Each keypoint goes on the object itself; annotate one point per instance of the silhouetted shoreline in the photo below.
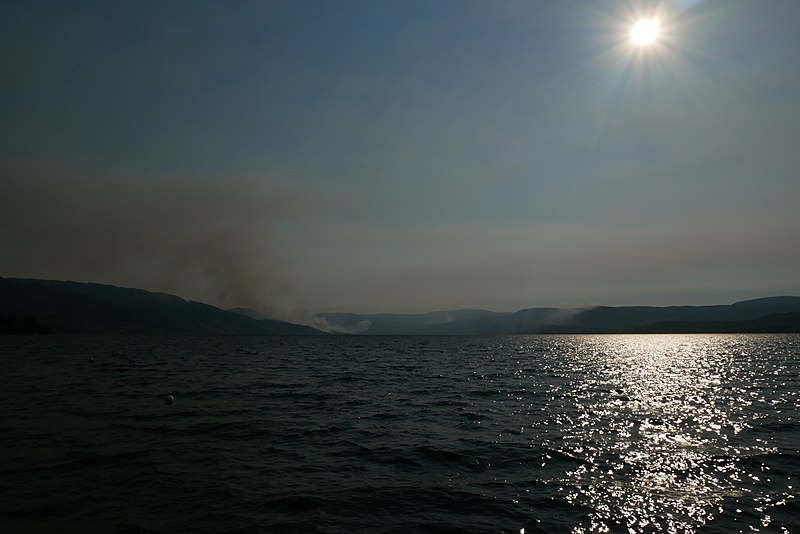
(46, 306)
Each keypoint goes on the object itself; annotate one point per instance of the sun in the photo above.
(645, 32)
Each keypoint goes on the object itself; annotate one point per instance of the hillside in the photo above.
(97, 308)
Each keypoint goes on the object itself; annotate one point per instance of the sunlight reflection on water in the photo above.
(656, 432)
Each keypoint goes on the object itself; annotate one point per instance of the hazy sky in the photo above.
(377, 155)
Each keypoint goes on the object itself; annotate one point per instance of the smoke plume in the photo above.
(202, 241)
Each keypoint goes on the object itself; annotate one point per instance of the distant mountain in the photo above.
(774, 323)
(771, 314)
(30, 306)
(444, 322)
(96, 308)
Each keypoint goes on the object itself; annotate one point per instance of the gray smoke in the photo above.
(202, 241)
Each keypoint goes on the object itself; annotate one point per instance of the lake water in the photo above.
(670, 433)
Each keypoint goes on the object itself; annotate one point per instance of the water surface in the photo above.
(669, 433)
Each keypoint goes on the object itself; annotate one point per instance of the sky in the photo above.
(402, 155)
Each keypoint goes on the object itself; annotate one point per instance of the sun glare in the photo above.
(645, 32)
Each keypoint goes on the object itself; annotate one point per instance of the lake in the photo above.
(341, 434)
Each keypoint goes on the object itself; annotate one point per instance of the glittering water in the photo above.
(400, 434)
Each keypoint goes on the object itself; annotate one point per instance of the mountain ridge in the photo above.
(32, 306)
(87, 307)
(743, 316)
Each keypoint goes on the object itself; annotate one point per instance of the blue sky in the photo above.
(404, 155)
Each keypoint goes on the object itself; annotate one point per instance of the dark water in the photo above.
(400, 434)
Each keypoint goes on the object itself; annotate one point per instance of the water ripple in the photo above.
(401, 434)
